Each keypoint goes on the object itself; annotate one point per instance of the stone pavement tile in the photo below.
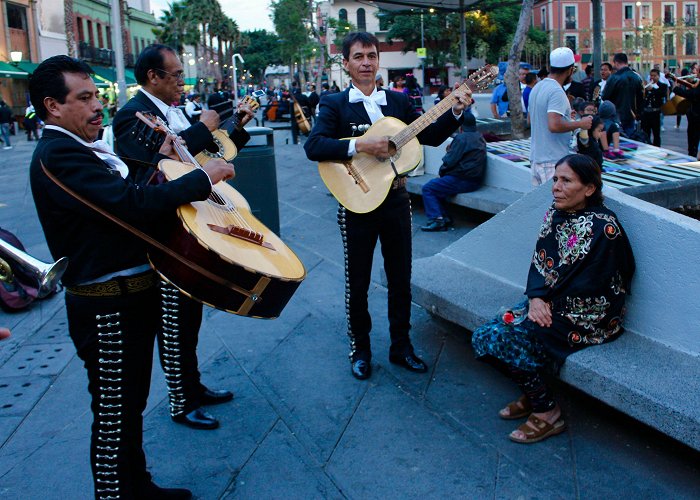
(251, 340)
(615, 453)
(204, 461)
(7, 427)
(38, 359)
(394, 447)
(52, 332)
(471, 393)
(64, 404)
(511, 482)
(279, 468)
(323, 294)
(320, 234)
(19, 394)
(308, 380)
(26, 322)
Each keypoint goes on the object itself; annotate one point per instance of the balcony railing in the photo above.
(669, 21)
(690, 20)
(96, 55)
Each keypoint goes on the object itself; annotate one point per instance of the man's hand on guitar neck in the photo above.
(464, 100)
(210, 118)
(218, 170)
(168, 149)
(244, 113)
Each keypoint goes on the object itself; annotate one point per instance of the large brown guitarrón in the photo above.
(362, 183)
(240, 266)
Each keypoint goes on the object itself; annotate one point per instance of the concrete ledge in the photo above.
(488, 199)
(650, 372)
(634, 374)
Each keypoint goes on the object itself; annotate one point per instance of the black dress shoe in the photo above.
(411, 362)
(154, 492)
(435, 225)
(210, 397)
(197, 419)
(361, 369)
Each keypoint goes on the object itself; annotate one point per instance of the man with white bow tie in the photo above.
(112, 298)
(348, 114)
(160, 73)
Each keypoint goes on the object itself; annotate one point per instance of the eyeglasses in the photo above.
(180, 75)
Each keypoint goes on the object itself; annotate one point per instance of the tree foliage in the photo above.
(490, 31)
(260, 49)
(291, 18)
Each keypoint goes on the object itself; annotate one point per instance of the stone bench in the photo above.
(651, 371)
(488, 199)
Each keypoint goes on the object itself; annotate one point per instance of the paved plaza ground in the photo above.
(300, 425)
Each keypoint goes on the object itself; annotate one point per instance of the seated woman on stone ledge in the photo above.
(579, 277)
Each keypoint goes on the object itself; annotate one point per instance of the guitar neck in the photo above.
(417, 126)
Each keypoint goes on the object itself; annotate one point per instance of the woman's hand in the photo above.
(540, 312)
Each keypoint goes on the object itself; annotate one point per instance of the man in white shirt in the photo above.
(550, 117)
(193, 108)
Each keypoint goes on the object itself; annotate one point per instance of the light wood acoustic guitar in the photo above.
(248, 270)
(222, 146)
(362, 182)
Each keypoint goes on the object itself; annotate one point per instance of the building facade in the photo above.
(18, 42)
(649, 32)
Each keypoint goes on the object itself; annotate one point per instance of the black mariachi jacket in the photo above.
(94, 245)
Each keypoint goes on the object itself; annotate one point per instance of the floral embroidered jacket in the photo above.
(582, 266)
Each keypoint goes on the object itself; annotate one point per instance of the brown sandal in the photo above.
(515, 410)
(542, 430)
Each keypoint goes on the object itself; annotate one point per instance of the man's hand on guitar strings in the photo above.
(218, 170)
(210, 118)
(168, 149)
(464, 100)
(379, 147)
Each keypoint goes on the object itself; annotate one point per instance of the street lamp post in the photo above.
(235, 78)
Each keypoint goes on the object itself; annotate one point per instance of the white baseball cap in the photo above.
(561, 57)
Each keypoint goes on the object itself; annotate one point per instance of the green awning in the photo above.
(110, 76)
(27, 66)
(10, 71)
(672, 63)
(190, 81)
(586, 58)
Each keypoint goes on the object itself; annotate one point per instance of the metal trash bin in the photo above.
(256, 176)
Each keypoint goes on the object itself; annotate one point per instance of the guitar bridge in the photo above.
(242, 234)
(356, 176)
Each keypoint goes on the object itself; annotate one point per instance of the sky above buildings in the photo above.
(249, 15)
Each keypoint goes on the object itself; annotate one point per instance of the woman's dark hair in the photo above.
(441, 91)
(366, 39)
(543, 73)
(150, 58)
(589, 172)
(48, 81)
(411, 82)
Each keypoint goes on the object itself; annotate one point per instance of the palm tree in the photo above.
(70, 26)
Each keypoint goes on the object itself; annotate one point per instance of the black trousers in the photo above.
(177, 348)
(651, 124)
(114, 337)
(693, 134)
(390, 223)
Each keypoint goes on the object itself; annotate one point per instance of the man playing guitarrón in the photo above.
(112, 299)
(342, 115)
(159, 71)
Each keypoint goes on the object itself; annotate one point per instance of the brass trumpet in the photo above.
(44, 276)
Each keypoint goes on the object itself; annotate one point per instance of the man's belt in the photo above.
(117, 286)
(398, 183)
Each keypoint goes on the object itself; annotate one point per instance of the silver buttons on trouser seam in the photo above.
(109, 414)
(344, 235)
(171, 355)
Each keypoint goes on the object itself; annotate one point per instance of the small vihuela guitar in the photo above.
(222, 146)
(362, 183)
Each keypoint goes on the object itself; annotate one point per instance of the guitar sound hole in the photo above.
(214, 150)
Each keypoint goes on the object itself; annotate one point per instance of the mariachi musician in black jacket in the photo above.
(343, 115)
(159, 71)
(112, 299)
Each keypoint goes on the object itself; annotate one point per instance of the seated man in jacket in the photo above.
(462, 171)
